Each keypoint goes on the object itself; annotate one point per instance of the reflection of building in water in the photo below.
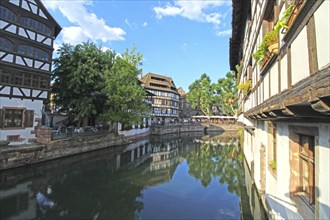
(135, 154)
(255, 206)
(164, 155)
(18, 202)
(224, 139)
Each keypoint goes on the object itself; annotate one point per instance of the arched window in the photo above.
(7, 14)
(33, 52)
(36, 25)
(6, 44)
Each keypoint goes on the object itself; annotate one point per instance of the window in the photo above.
(13, 118)
(24, 79)
(306, 159)
(157, 78)
(302, 168)
(272, 146)
(5, 44)
(16, 118)
(36, 25)
(7, 14)
(4, 76)
(33, 52)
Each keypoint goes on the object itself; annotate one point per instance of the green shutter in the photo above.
(29, 116)
(2, 115)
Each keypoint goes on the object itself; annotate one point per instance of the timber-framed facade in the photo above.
(165, 99)
(27, 35)
(286, 102)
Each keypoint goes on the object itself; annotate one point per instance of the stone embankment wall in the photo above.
(169, 129)
(21, 155)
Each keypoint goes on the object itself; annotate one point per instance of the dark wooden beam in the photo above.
(308, 98)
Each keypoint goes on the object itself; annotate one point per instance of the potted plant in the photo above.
(273, 164)
(293, 11)
(271, 40)
(259, 55)
(245, 87)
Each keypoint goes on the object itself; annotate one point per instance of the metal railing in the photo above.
(68, 132)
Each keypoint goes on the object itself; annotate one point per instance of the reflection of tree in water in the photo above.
(95, 193)
(207, 161)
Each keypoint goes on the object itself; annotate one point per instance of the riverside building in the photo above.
(285, 103)
(27, 34)
(165, 102)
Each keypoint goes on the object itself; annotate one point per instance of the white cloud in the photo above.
(223, 33)
(167, 11)
(145, 24)
(86, 25)
(193, 10)
(184, 46)
(132, 26)
(104, 48)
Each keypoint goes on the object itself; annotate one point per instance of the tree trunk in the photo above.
(113, 127)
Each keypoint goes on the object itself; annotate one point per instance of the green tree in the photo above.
(79, 78)
(201, 94)
(89, 82)
(125, 97)
(226, 94)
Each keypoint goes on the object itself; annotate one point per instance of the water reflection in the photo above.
(159, 177)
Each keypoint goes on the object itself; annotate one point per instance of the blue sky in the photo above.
(179, 39)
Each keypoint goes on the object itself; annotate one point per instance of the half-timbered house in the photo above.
(27, 34)
(285, 102)
(165, 99)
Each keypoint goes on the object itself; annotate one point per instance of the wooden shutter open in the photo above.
(2, 114)
(29, 116)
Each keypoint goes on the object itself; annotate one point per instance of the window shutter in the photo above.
(2, 115)
(29, 116)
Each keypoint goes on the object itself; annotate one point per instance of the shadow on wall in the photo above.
(281, 209)
(298, 209)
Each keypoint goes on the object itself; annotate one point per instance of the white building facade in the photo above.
(286, 104)
(26, 45)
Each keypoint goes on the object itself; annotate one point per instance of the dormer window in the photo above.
(33, 52)
(7, 14)
(36, 25)
(5, 44)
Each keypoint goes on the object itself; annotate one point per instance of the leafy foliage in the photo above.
(208, 97)
(201, 94)
(272, 36)
(79, 79)
(208, 161)
(226, 94)
(89, 82)
(125, 98)
(245, 87)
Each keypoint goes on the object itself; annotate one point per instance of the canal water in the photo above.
(191, 176)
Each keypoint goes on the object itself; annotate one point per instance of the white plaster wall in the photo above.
(134, 132)
(322, 29)
(299, 57)
(278, 189)
(256, 153)
(322, 169)
(244, 120)
(266, 87)
(274, 80)
(284, 73)
(24, 133)
(247, 149)
(283, 161)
